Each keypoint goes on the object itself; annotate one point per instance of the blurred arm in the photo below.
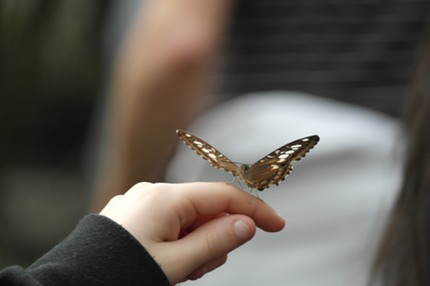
(160, 83)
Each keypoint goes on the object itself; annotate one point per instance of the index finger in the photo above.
(208, 198)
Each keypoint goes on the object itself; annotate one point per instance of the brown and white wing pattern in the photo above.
(215, 158)
(273, 168)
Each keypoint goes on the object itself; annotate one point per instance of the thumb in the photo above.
(206, 247)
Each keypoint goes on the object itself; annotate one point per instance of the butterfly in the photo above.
(271, 169)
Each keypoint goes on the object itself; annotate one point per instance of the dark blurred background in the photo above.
(50, 75)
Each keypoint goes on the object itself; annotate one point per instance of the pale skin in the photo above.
(190, 228)
(160, 83)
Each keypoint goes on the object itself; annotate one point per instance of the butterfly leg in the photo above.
(238, 181)
(252, 191)
(235, 181)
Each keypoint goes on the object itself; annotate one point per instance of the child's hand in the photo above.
(190, 228)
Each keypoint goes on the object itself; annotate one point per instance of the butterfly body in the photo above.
(271, 169)
(261, 177)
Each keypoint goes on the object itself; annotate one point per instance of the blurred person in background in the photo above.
(290, 69)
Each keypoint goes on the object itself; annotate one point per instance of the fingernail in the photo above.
(241, 229)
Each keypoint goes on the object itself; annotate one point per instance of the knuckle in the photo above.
(214, 245)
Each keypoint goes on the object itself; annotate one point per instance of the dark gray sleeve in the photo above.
(97, 252)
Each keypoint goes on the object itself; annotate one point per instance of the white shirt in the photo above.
(335, 201)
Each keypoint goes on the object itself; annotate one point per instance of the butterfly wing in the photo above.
(215, 158)
(274, 167)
